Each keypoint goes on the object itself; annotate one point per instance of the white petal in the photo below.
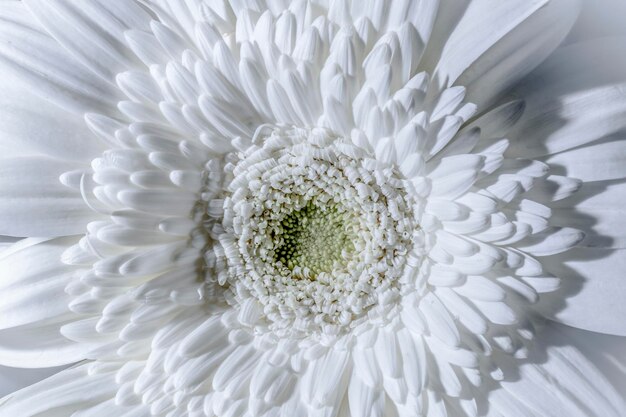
(519, 52)
(145, 46)
(48, 70)
(62, 394)
(606, 352)
(598, 210)
(35, 203)
(440, 322)
(559, 381)
(34, 282)
(554, 188)
(30, 125)
(39, 305)
(552, 241)
(83, 31)
(594, 282)
(325, 381)
(13, 379)
(365, 401)
(486, 34)
(595, 162)
(572, 102)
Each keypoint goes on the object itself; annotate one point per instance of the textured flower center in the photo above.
(315, 232)
(315, 238)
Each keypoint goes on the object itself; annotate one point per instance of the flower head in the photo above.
(282, 208)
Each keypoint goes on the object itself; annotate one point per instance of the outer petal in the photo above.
(592, 275)
(497, 43)
(595, 162)
(593, 281)
(32, 126)
(7, 241)
(558, 381)
(597, 209)
(35, 305)
(92, 30)
(62, 394)
(13, 379)
(606, 352)
(35, 203)
(29, 53)
(572, 101)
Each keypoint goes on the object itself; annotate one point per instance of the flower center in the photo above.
(315, 239)
(315, 233)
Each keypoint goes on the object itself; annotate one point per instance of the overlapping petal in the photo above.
(179, 98)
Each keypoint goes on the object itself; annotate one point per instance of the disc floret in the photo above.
(316, 238)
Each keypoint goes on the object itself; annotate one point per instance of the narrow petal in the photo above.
(92, 32)
(31, 55)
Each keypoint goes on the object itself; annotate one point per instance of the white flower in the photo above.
(320, 208)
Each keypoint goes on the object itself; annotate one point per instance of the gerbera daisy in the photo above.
(266, 208)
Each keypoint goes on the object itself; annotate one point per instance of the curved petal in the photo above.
(92, 31)
(63, 394)
(13, 379)
(497, 43)
(595, 162)
(39, 345)
(558, 381)
(30, 125)
(325, 382)
(31, 55)
(592, 275)
(572, 101)
(598, 209)
(35, 203)
(606, 352)
(600, 18)
(35, 305)
(7, 241)
(33, 285)
(593, 282)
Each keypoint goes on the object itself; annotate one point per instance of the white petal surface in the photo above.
(30, 126)
(561, 382)
(571, 101)
(62, 394)
(488, 60)
(595, 162)
(35, 203)
(34, 291)
(92, 32)
(31, 54)
(519, 52)
(36, 305)
(594, 282)
(288, 213)
(13, 379)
